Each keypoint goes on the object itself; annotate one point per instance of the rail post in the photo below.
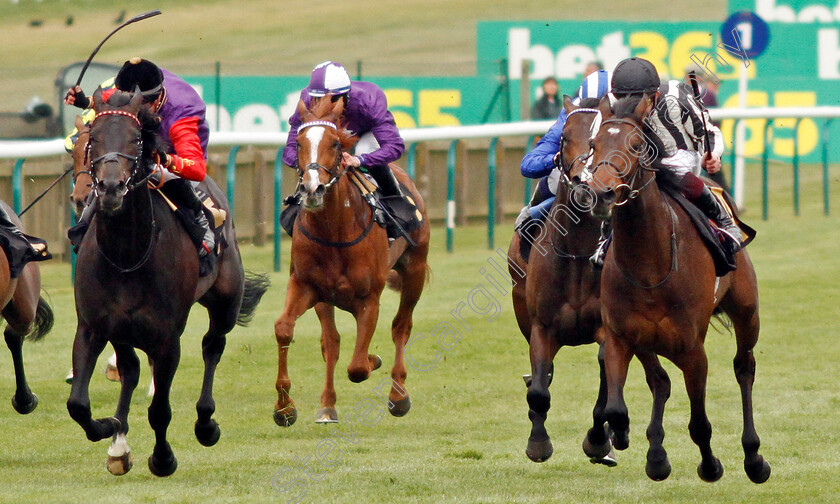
(765, 189)
(231, 176)
(411, 161)
(278, 204)
(17, 185)
(492, 157)
(796, 166)
(826, 135)
(529, 146)
(450, 195)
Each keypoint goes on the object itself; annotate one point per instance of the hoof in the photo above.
(112, 373)
(326, 415)
(710, 474)
(208, 434)
(658, 470)
(401, 407)
(25, 408)
(527, 379)
(285, 417)
(539, 451)
(120, 465)
(759, 471)
(378, 363)
(596, 451)
(609, 460)
(165, 468)
(620, 440)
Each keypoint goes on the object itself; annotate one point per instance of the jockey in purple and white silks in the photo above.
(366, 115)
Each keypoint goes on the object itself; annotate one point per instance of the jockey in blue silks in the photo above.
(540, 162)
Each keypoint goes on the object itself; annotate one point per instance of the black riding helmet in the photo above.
(634, 75)
(138, 72)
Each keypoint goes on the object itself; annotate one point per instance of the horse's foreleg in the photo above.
(597, 444)
(330, 345)
(543, 349)
(617, 357)
(658, 467)
(86, 349)
(120, 459)
(298, 299)
(362, 363)
(694, 366)
(24, 401)
(162, 461)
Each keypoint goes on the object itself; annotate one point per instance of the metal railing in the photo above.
(21, 150)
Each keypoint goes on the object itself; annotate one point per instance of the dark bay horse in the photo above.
(659, 290)
(136, 280)
(559, 304)
(27, 316)
(340, 258)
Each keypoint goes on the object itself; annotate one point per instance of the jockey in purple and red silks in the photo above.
(183, 129)
(366, 115)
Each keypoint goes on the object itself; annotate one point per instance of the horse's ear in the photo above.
(642, 109)
(301, 108)
(605, 107)
(338, 108)
(136, 98)
(567, 103)
(97, 98)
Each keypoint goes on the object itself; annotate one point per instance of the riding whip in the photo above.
(136, 18)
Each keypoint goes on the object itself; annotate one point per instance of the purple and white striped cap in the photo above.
(329, 77)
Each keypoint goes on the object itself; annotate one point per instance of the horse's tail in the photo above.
(722, 318)
(44, 319)
(255, 286)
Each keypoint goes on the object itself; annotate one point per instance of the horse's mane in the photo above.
(322, 110)
(589, 103)
(626, 106)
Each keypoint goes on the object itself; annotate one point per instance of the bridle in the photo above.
(629, 185)
(114, 156)
(565, 170)
(333, 172)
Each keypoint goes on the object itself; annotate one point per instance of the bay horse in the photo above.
(340, 258)
(136, 280)
(27, 316)
(558, 303)
(659, 291)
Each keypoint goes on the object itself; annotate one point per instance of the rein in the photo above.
(632, 193)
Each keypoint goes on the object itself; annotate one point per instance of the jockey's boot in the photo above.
(289, 214)
(709, 205)
(32, 248)
(597, 258)
(399, 205)
(195, 221)
(77, 232)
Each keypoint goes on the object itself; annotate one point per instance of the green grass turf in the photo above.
(288, 37)
(464, 439)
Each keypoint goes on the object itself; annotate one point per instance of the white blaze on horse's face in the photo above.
(311, 185)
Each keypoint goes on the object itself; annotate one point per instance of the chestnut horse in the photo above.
(659, 290)
(558, 304)
(27, 316)
(129, 292)
(340, 258)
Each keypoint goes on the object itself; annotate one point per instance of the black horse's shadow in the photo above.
(137, 276)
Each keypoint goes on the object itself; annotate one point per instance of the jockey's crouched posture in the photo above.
(366, 115)
(183, 128)
(676, 126)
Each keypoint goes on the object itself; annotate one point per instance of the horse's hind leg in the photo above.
(413, 281)
(658, 466)
(222, 320)
(86, 349)
(741, 306)
(543, 348)
(162, 461)
(330, 346)
(362, 363)
(24, 401)
(695, 369)
(120, 459)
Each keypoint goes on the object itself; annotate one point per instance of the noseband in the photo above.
(332, 172)
(632, 193)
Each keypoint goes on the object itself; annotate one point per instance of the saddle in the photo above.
(716, 242)
(215, 217)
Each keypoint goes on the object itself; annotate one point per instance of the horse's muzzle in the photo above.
(603, 205)
(312, 200)
(111, 194)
